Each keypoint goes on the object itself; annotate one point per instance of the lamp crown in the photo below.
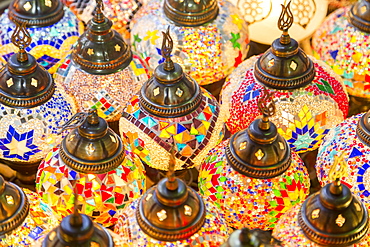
(22, 39)
(99, 16)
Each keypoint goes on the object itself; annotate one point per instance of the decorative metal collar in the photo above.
(359, 15)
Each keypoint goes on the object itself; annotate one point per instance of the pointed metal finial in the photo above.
(167, 46)
(285, 22)
(76, 218)
(99, 16)
(22, 39)
(267, 107)
(171, 183)
(337, 171)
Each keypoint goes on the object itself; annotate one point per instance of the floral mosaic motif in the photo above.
(249, 202)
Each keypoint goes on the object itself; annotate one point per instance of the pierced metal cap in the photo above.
(170, 92)
(36, 13)
(333, 216)
(171, 211)
(284, 65)
(23, 82)
(359, 15)
(259, 151)
(14, 206)
(91, 147)
(101, 50)
(251, 238)
(191, 12)
(363, 129)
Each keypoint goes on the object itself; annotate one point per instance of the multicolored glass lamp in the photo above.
(102, 72)
(91, 158)
(251, 238)
(171, 214)
(210, 36)
(31, 109)
(171, 110)
(24, 218)
(330, 217)
(342, 41)
(310, 98)
(254, 178)
(53, 28)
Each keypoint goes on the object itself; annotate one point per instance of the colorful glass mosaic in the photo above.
(303, 116)
(208, 52)
(345, 48)
(100, 195)
(213, 233)
(49, 44)
(27, 135)
(291, 234)
(250, 202)
(152, 137)
(106, 93)
(39, 222)
(343, 139)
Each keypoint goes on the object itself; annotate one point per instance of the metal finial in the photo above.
(336, 172)
(99, 16)
(167, 46)
(171, 183)
(285, 22)
(266, 105)
(22, 39)
(79, 118)
(76, 219)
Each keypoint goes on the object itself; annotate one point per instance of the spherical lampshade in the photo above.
(171, 109)
(254, 178)
(262, 15)
(210, 37)
(102, 73)
(24, 217)
(309, 97)
(342, 41)
(53, 28)
(92, 159)
(31, 108)
(330, 217)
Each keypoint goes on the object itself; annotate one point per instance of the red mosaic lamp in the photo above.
(254, 178)
(171, 214)
(91, 158)
(171, 110)
(330, 217)
(310, 98)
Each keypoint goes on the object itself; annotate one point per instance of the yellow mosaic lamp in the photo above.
(53, 28)
(92, 159)
(171, 214)
(171, 110)
(102, 73)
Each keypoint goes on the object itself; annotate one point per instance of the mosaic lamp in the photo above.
(171, 214)
(254, 178)
(309, 97)
(102, 73)
(31, 108)
(91, 158)
(332, 216)
(53, 28)
(261, 16)
(342, 41)
(171, 110)
(210, 36)
(251, 238)
(24, 218)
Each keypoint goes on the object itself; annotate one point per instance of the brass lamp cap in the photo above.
(171, 214)
(14, 206)
(23, 82)
(101, 50)
(251, 238)
(191, 12)
(359, 15)
(284, 65)
(36, 13)
(170, 92)
(92, 147)
(363, 129)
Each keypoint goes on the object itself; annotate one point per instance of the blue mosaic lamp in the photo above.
(53, 28)
(31, 109)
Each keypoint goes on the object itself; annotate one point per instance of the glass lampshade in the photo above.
(91, 158)
(102, 73)
(309, 97)
(210, 37)
(53, 28)
(342, 42)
